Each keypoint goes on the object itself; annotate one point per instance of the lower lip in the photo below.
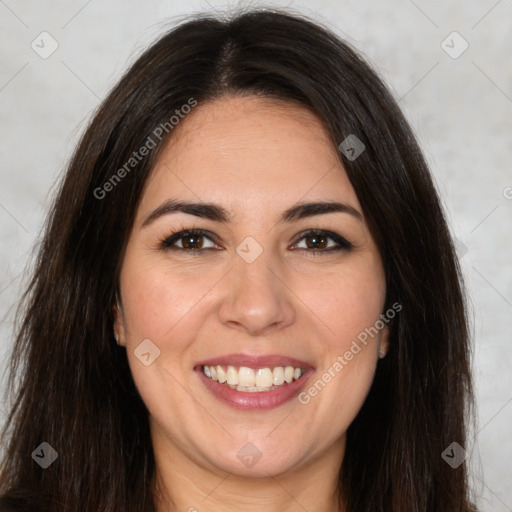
(259, 400)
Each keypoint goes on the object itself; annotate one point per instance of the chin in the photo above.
(257, 459)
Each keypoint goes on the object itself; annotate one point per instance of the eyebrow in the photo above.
(218, 213)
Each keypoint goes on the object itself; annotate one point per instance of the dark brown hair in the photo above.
(71, 383)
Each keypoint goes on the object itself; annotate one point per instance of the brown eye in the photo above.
(190, 240)
(323, 242)
(316, 241)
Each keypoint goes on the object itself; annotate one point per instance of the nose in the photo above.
(256, 298)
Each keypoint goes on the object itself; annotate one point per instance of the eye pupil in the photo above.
(188, 241)
(317, 242)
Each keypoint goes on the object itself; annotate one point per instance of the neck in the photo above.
(182, 484)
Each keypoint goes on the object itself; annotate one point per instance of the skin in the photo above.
(255, 157)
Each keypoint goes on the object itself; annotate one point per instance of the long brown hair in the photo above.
(70, 382)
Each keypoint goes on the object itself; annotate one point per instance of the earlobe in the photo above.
(384, 343)
(118, 326)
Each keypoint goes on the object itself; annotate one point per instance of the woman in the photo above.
(246, 297)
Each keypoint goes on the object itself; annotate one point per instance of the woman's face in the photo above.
(253, 292)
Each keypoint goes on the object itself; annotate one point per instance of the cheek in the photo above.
(343, 396)
(346, 302)
(156, 306)
(157, 299)
(347, 305)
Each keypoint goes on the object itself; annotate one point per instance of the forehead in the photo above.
(251, 154)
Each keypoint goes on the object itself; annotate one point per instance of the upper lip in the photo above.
(253, 361)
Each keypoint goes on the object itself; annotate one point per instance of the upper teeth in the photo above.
(248, 379)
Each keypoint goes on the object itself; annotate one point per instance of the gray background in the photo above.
(460, 108)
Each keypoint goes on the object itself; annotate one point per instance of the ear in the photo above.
(119, 328)
(384, 342)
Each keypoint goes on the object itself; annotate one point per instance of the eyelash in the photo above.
(167, 243)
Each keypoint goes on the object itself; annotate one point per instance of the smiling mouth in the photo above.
(248, 379)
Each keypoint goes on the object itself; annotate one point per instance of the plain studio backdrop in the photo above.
(447, 63)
